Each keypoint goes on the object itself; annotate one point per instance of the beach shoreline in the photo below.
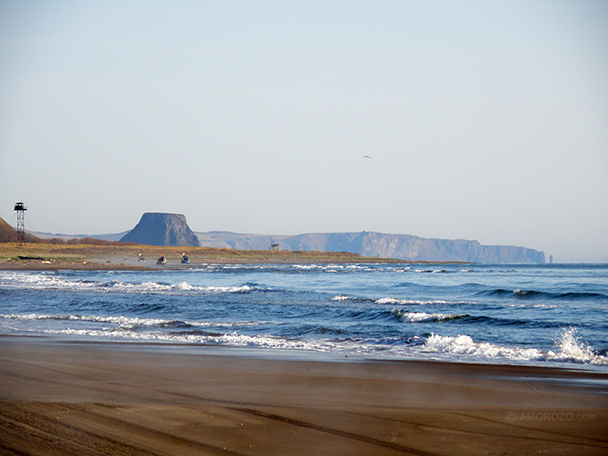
(45, 256)
(61, 396)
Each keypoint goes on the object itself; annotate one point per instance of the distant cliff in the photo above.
(382, 245)
(415, 248)
(160, 229)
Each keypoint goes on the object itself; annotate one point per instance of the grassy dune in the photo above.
(112, 256)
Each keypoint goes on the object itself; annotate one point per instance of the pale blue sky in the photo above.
(484, 120)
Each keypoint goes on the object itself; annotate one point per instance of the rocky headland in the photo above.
(161, 229)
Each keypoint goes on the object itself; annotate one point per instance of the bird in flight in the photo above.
(367, 156)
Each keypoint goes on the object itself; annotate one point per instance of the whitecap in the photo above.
(422, 317)
(464, 345)
(573, 349)
(570, 349)
(340, 298)
(389, 300)
(51, 282)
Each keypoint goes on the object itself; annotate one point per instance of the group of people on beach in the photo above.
(162, 260)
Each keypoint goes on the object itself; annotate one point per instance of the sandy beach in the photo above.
(52, 257)
(68, 397)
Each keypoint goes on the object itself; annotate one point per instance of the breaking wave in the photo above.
(123, 322)
(569, 348)
(423, 317)
(50, 282)
(417, 301)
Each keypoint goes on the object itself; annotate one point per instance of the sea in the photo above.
(549, 315)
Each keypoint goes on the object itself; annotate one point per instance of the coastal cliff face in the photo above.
(162, 229)
(415, 248)
(402, 246)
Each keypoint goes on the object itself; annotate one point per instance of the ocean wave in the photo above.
(51, 282)
(133, 323)
(290, 268)
(397, 301)
(232, 339)
(535, 294)
(391, 315)
(464, 345)
(391, 301)
(120, 321)
(499, 321)
(423, 317)
(340, 298)
(569, 349)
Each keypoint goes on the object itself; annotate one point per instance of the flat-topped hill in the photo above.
(157, 228)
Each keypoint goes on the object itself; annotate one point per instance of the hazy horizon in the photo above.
(275, 235)
(467, 119)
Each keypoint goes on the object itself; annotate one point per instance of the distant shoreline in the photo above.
(46, 256)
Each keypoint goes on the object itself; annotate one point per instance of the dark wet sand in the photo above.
(63, 398)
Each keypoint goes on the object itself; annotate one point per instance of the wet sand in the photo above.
(62, 397)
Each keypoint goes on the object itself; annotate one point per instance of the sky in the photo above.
(483, 120)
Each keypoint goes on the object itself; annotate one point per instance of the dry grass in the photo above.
(128, 254)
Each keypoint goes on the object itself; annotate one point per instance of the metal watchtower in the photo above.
(20, 210)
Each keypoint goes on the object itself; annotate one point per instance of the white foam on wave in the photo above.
(228, 339)
(315, 267)
(44, 281)
(423, 317)
(340, 298)
(129, 322)
(237, 289)
(116, 320)
(570, 349)
(534, 306)
(464, 345)
(390, 300)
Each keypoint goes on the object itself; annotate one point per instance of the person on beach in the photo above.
(161, 260)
